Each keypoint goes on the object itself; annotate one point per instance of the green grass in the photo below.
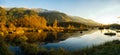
(4, 50)
(109, 48)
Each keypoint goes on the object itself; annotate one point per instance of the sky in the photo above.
(102, 11)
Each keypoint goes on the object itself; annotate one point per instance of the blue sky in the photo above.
(103, 11)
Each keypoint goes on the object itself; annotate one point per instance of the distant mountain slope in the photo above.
(51, 16)
(85, 21)
(39, 10)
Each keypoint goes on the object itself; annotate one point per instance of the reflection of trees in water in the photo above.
(90, 31)
(34, 37)
(101, 31)
(55, 34)
(53, 37)
(50, 38)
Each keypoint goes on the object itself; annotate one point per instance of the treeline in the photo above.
(20, 17)
(11, 19)
(51, 16)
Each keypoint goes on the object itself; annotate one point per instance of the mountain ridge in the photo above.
(52, 15)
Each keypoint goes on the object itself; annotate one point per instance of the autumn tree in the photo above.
(21, 17)
(2, 27)
(81, 26)
(71, 27)
(43, 22)
(2, 15)
(11, 27)
(2, 19)
(55, 24)
(33, 21)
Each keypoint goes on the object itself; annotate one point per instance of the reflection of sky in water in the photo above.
(88, 40)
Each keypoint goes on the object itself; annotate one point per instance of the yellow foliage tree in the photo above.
(43, 22)
(11, 27)
(55, 24)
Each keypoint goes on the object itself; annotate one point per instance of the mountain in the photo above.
(39, 10)
(51, 16)
(88, 22)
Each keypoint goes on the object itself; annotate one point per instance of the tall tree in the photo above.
(2, 15)
(55, 24)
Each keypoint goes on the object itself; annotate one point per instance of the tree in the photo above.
(30, 12)
(2, 15)
(2, 27)
(69, 27)
(2, 11)
(33, 21)
(43, 22)
(11, 27)
(55, 24)
(15, 13)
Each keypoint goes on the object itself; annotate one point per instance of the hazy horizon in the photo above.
(102, 11)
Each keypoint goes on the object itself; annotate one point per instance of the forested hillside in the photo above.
(11, 18)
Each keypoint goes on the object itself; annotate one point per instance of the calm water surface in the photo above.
(69, 41)
(87, 39)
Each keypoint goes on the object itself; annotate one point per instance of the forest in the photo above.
(22, 19)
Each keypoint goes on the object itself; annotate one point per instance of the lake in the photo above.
(70, 41)
(86, 39)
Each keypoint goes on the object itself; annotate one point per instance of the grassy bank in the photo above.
(109, 48)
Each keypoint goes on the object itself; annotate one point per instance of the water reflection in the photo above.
(69, 41)
(94, 37)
